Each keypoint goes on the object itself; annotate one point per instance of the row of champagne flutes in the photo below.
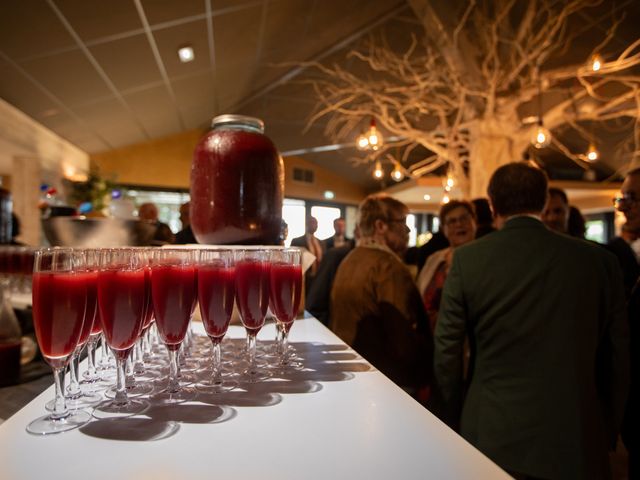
(16, 264)
(122, 292)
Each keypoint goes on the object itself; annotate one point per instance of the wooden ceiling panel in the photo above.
(69, 76)
(193, 91)
(156, 111)
(19, 91)
(159, 11)
(110, 120)
(132, 69)
(170, 39)
(30, 27)
(92, 20)
(236, 36)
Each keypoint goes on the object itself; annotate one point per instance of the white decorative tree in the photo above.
(461, 89)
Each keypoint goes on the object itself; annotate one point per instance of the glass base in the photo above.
(216, 386)
(137, 389)
(76, 402)
(173, 396)
(113, 409)
(254, 375)
(46, 425)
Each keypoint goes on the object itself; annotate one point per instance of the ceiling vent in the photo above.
(303, 175)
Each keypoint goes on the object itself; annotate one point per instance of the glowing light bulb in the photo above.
(596, 63)
(378, 172)
(397, 174)
(362, 142)
(373, 136)
(427, 197)
(445, 198)
(592, 153)
(541, 137)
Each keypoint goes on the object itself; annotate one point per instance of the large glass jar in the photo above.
(237, 183)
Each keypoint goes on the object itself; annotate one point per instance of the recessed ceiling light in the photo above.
(329, 195)
(427, 197)
(186, 54)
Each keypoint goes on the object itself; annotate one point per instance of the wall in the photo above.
(166, 162)
(29, 154)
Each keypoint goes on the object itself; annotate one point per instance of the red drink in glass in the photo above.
(216, 292)
(252, 292)
(174, 292)
(121, 302)
(286, 289)
(59, 304)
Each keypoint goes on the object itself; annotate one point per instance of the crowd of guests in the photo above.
(516, 332)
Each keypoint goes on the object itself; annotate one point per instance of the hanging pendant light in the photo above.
(377, 171)
(592, 154)
(541, 137)
(595, 63)
(397, 174)
(374, 137)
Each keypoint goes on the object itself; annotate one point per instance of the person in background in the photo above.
(555, 214)
(457, 219)
(420, 255)
(185, 236)
(148, 212)
(484, 217)
(576, 224)
(339, 238)
(626, 249)
(284, 232)
(375, 305)
(546, 321)
(313, 245)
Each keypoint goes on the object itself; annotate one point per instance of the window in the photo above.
(325, 217)
(168, 204)
(293, 212)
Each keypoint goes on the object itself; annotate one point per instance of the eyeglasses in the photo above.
(626, 199)
(462, 219)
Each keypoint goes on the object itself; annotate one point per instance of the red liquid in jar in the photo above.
(173, 290)
(59, 304)
(121, 299)
(237, 183)
(286, 289)
(216, 293)
(252, 293)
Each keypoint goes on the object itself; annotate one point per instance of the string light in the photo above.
(541, 136)
(397, 174)
(371, 139)
(378, 172)
(445, 198)
(596, 62)
(592, 153)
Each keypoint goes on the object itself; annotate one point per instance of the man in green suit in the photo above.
(545, 317)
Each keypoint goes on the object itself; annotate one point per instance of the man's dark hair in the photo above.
(484, 216)
(558, 192)
(517, 188)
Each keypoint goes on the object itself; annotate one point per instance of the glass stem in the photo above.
(252, 352)
(174, 384)
(91, 373)
(279, 335)
(138, 367)
(59, 407)
(74, 387)
(121, 387)
(146, 339)
(284, 347)
(216, 375)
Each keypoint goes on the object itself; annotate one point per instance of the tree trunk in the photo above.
(494, 142)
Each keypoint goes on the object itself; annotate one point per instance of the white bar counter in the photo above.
(341, 419)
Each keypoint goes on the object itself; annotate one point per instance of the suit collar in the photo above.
(523, 221)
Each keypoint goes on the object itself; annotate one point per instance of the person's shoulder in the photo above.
(298, 241)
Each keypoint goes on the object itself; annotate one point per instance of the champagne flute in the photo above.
(285, 290)
(216, 293)
(252, 297)
(59, 304)
(121, 302)
(173, 294)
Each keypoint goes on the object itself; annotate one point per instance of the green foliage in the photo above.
(95, 190)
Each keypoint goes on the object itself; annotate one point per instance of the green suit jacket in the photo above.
(546, 318)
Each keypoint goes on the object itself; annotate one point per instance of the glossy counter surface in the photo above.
(339, 418)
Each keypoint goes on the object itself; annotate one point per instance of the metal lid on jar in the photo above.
(238, 121)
